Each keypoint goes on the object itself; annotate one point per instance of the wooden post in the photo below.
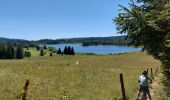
(147, 71)
(122, 86)
(152, 74)
(25, 88)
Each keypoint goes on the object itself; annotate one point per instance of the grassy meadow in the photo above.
(96, 77)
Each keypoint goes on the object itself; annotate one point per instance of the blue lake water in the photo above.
(100, 49)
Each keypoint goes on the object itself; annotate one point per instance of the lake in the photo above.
(98, 49)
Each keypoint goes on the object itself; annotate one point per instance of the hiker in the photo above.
(143, 81)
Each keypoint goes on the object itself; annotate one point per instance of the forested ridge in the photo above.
(113, 40)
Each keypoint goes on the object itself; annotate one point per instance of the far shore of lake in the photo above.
(97, 49)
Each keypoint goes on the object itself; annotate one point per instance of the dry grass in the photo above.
(59, 78)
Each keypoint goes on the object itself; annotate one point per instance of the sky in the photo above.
(54, 19)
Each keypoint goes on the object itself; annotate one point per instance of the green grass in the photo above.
(36, 53)
(59, 78)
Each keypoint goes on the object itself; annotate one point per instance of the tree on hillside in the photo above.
(10, 52)
(1, 51)
(148, 24)
(19, 52)
(38, 47)
(41, 52)
(59, 51)
(4, 52)
(45, 47)
(69, 50)
(72, 51)
(66, 50)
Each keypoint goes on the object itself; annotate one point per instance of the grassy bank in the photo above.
(96, 77)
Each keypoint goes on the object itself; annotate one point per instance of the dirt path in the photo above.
(152, 88)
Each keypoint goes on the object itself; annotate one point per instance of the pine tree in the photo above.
(19, 52)
(59, 51)
(45, 47)
(6, 51)
(51, 54)
(146, 23)
(72, 51)
(69, 50)
(66, 50)
(41, 52)
(1, 51)
(38, 48)
(10, 52)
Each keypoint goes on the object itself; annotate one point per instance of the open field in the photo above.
(96, 77)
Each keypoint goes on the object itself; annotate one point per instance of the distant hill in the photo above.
(8, 40)
(113, 40)
(18, 41)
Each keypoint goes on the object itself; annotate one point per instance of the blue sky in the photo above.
(53, 19)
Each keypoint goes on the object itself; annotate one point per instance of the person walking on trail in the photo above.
(143, 81)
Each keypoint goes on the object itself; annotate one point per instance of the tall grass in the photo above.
(96, 77)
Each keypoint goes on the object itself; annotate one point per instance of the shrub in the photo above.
(27, 54)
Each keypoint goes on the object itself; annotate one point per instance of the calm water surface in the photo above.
(100, 49)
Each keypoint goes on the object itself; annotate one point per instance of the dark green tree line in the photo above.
(8, 51)
(19, 52)
(69, 50)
